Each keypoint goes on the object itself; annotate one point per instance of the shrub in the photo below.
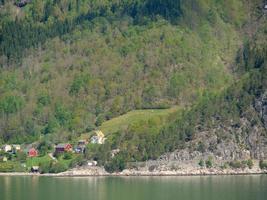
(78, 161)
(209, 163)
(250, 163)
(152, 168)
(100, 119)
(117, 164)
(201, 163)
(21, 156)
(45, 167)
(263, 164)
(67, 156)
(58, 167)
(224, 166)
(238, 164)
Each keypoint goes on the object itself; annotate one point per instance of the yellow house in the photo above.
(98, 137)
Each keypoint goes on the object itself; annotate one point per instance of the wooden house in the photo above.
(32, 152)
(61, 148)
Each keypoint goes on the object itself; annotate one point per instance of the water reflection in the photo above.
(132, 188)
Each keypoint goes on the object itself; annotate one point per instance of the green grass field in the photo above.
(37, 160)
(156, 117)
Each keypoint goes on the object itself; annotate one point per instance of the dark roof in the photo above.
(22, 3)
(61, 145)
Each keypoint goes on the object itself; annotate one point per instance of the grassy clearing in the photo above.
(157, 117)
(37, 160)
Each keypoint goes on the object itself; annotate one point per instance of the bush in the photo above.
(238, 164)
(263, 164)
(58, 167)
(117, 164)
(21, 156)
(201, 163)
(45, 167)
(100, 119)
(67, 156)
(78, 161)
(250, 163)
(209, 163)
(152, 168)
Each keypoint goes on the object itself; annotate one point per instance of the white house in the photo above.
(92, 163)
(16, 147)
(7, 148)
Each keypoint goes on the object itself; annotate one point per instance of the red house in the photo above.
(61, 148)
(32, 152)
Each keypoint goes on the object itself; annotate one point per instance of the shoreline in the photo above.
(133, 173)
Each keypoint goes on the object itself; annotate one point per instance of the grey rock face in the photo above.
(261, 108)
(230, 142)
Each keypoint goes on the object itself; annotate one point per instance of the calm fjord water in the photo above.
(134, 188)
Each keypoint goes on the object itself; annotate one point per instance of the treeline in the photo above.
(50, 18)
(17, 36)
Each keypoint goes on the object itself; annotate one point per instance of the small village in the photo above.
(29, 157)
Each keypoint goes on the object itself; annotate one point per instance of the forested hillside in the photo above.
(227, 125)
(67, 66)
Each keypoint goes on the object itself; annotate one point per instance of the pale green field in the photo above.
(37, 160)
(158, 117)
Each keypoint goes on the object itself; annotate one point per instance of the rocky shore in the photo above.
(99, 171)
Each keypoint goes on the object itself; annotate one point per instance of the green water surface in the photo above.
(134, 188)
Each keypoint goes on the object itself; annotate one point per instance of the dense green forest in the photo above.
(213, 110)
(67, 66)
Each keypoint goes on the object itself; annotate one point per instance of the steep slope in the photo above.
(69, 66)
(227, 126)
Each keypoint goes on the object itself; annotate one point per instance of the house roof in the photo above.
(35, 167)
(62, 145)
(32, 149)
(7, 145)
(99, 134)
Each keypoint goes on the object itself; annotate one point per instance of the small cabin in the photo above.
(35, 169)
(61, 148)
(7, 148)
(32, 153)
(79, 149)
